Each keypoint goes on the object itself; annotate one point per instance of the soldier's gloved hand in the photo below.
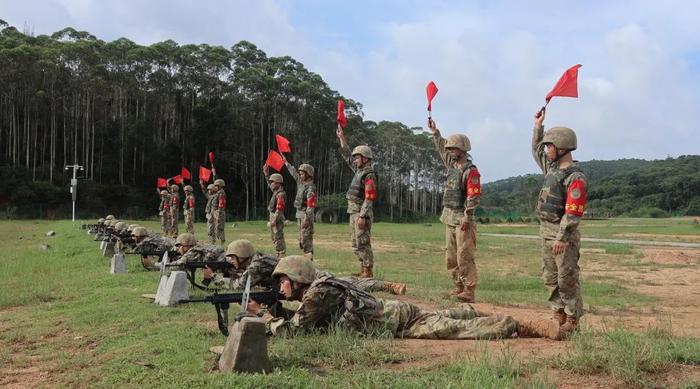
(240, 315)
(539, 117)
(269, 224)
(465, 225)
(361, 223)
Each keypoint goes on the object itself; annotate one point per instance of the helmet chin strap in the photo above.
(558, 157)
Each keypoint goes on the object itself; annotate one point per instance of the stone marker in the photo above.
(246, 348)
(118, 264)
(51, 233)
(102, 245)
(108, 251)
(175, 289)
(44, 247)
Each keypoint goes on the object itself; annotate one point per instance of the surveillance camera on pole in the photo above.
(74, 184)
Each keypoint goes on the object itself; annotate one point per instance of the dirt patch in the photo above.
(661, 237)
(672, 256)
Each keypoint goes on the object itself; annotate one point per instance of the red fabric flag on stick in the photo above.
(185, 174)
(177, 179)
(567, 86)
(204, 174)
(282, 144)
(341, 114)
(431, 90)
(274, 160)
(211, 158)
(161, 183)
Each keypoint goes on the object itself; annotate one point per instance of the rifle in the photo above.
(221, 303)
(146, 253)
(191, 267)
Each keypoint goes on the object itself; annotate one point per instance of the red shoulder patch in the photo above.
(473, 184)
(576, 198)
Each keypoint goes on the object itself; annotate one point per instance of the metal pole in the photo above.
(74, 184)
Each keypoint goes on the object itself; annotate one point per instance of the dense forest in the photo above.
(630, 187)
(130, 113)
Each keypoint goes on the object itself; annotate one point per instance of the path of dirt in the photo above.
(601, 240)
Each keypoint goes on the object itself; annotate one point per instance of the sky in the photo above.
(493, 61)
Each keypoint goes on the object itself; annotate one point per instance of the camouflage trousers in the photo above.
(361, 240)
(189, 221)
(462, 322)
(459, 254)
(165, 224)
(174, 221)
(220, 222)
(306, 234)
(561, 276)
(277, 236)
(211, 228)
(369, 285)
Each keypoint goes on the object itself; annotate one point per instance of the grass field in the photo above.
(66, 322)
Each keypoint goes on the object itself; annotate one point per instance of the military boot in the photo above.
(568, 328)
(459, 288)
(281, 254)
(309, 255)
(366, 272)
(559, 316)
(548, 328)
(395, 287)
(468, 295)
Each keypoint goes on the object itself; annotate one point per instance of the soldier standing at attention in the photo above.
(361, 196)
(461, 197)
(305, 204)
(219, 210)
(174, 210)
(188, 208)
(276, 207)
(164, 212)
(560, 206)
(209, 194)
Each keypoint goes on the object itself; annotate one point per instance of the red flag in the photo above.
(431, 90)
(161, 183)
(204, 174)
(185, 173)
(567, 86)
(283, 144)
(341, 114)
(274, 160)
(177, 179)
(211, 158)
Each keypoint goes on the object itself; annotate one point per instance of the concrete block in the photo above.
(175, 289)
(118, 264)
(246, 348)
(108, 251)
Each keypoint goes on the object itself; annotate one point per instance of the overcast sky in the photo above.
(494, 61)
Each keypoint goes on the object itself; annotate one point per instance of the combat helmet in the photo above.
(306, 168)
(109, 217)
(186, 239)
(131, 227)
(139, 231)
(562, 138)
(297, 267)
(188, 188)
(458, 141)
(219, 182)
(241, 248)
(362, 150)
(101, 220)
(120, 226)
(164, 192)
(174, 188)
(276, 177)
(211, 187)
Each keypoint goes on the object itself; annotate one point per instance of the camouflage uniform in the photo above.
(460, 199)
(208, 211)
(219, 215)
(202, 253)
(164, 212)
(154, 244)
(189, 207)
(305, 204)
(329, 301)
(174, 211)
(361, 196)
(560, 206)
(276, 208)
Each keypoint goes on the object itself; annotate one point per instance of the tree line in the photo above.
(130, 113)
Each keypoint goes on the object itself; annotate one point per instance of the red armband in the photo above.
(222, 202)
(175, 201)
(280, 203)
(190, 203)
(370, 190)
(311, 201)
(576, 198)
(473, 185)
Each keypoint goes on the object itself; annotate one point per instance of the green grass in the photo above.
(618, 248)
(628, 356)
(62, 311)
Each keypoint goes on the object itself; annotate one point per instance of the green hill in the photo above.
(631, 187)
